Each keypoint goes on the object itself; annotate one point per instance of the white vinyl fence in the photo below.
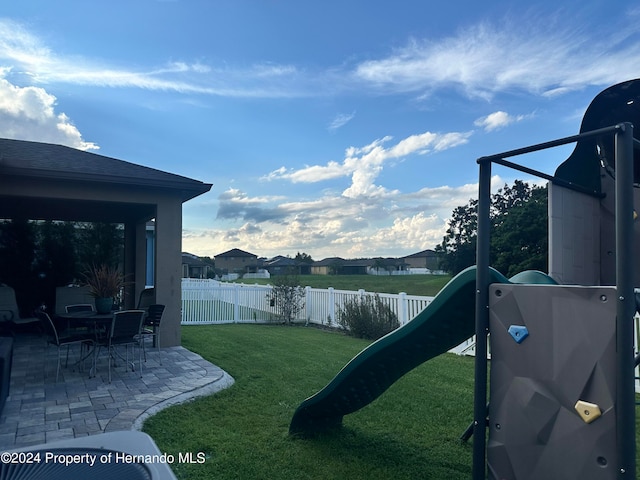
(210, 301)
(213, 302)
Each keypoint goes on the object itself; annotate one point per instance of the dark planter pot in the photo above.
(104, 305)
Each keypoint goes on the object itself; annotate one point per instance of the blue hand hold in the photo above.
(518, 332)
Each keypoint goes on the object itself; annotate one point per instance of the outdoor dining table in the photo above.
(94, 322)
(87, 319)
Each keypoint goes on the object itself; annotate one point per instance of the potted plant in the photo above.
(105, 283)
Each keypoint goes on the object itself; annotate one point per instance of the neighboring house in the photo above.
(236, 261)
(194, 267)
(340, 266)
(358, 266)
(424, 259)
(327, 266)
(388, 265)
(280, 265)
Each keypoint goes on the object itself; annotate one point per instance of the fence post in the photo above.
(236, 302)
(332, 306)
(403, 307)
(307, 307)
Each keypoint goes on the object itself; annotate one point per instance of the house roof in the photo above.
(235, 252)
(44, 160)
(46, 181)
(280, 261)
(357, 262)
(191, 259)
(422, 254)
(325, 262)
(389, 261)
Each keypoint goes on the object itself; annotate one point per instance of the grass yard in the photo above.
(409, 432)
(427, 285)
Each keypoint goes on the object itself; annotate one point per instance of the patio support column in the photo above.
(168, 277)
(129, 264)
(140, 267)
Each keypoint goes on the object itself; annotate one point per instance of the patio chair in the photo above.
(79, 307)
(124, 331)
(9, 311)
(151, 328)
(61, 340)
(71, 295)
(147, 297)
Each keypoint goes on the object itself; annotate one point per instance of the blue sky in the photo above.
(335, 128)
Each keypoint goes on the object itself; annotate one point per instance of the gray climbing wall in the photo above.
(552, 391)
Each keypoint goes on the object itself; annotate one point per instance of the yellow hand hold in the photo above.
(587, 411)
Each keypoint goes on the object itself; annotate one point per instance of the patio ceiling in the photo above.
(45, 208)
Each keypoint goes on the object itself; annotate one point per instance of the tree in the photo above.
(520, 242)
(379, 264)
(518, 216)
(287, 297)
(56, 254)
(17, 251)
(303, 258)
(55, 260)
(17, 260)
(100, 244)
(458, 248)
(38, 256)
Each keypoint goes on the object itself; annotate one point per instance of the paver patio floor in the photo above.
(40, 410)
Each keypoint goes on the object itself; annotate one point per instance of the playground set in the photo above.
(561, 400)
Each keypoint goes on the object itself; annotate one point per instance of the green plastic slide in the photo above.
(446, 322)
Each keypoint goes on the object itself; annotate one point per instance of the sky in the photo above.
(334, 128)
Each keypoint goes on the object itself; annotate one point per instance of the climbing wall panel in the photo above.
(552, 390)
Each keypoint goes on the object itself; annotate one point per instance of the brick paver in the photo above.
(39, 410)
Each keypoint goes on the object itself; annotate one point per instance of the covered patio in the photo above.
(40, 181)
(40, 410)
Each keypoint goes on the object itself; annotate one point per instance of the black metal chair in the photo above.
(151, 328)
(77, 307)
(124, 331)
(147, 297)
(61, 340)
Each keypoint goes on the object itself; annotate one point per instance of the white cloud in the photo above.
(410, 234)
(340, 121)
(28, 113)
(33, 59)
(364, 164)
(316, 173)
(335, 225)
(543, 55)
(498, 120)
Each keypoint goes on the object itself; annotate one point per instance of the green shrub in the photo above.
(367, 316)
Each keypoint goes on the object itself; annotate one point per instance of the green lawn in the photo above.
(427, 285)
(409, 432)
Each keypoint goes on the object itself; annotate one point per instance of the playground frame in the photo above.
(625, 302)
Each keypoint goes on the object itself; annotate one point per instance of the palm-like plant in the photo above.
(104, 281)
